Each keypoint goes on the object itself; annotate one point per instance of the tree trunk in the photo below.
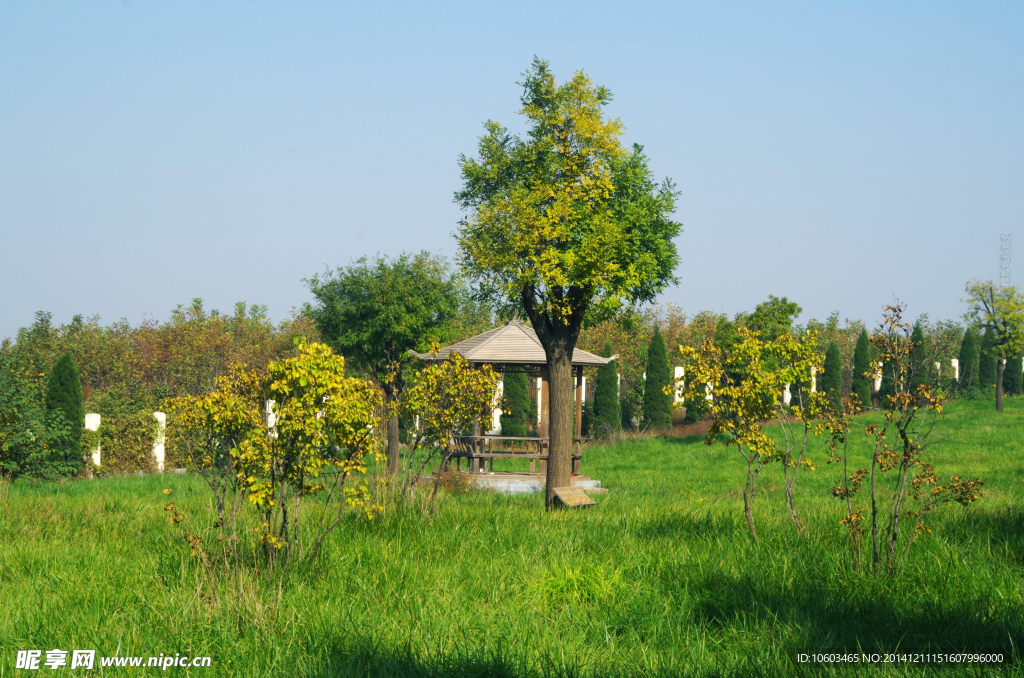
(558, 336)
(560, 426)
(1000, 370)
(394, 444)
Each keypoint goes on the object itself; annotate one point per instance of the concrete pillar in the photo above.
(878, 379)
(677, 396)
(92, 423)
(158, 444)
(540, 397)
(496, 409)
(708, 396)
(787, 397)
(814, 380)
(955, 364)
(938, 369)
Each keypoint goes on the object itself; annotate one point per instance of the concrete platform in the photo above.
(522, 483)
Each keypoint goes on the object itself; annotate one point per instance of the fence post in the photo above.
(158, 444)
(92, 423)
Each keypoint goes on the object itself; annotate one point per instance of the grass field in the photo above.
(660, 578)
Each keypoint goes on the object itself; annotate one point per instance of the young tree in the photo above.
(64, 395)
(862, 370)
(968, 361)
(657, 403)
(1001, 312)
(741, 405)
(606, 396)
(312, 441)
(900, 446)
(374, 312)
(516, 406)
(447, 395)
(830, 382)
(566, 224)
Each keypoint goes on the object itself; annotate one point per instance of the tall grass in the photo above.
(660, 578)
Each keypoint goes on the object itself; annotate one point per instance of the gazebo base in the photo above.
(522, 483)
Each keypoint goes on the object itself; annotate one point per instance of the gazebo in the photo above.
(514, 347)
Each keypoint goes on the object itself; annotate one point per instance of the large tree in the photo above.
(860, 384)
(568, 225)
(606, 396)
(374, 311)
(657, 403)
(64, 395)
(1001, 312)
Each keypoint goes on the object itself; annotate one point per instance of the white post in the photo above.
(540, 397)
(158, 444)
(878, 378)
(271, 418)
(938, 369)
(496, 409)
(92, 423)
(709, 396)
(956, 368)
(787, 397)
(618, 384)
(677, 397)
(814, 380)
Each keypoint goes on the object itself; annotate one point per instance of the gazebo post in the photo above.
(577, 446)
(545, 411)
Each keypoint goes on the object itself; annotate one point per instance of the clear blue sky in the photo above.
(836, 153)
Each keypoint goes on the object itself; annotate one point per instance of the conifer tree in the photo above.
(861, 385)
(515, 388)
(987, 362)
(1013, 377)
(968, 361)
(657, 409)
(64, 395)
(918, 359)
(830, 382)
(606, 396)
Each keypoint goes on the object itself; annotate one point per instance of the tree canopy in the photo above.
(374, 311)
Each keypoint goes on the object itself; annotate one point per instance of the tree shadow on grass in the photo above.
(859, 621)
(1002, 529)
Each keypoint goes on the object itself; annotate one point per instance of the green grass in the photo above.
(660, 578)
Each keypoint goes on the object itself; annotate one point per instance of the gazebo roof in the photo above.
(512, 343)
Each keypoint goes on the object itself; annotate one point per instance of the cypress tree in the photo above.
(657, 408)
(987, 363)
(64, 395)
(1013, 377)
(830, 382)
(887, 388)
(515, 386)
(606, 396)
(918, 359)
(861, 385)
(968, 359)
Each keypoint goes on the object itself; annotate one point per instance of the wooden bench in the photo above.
(481, 448)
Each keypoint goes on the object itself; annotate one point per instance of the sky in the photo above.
(840, 154)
